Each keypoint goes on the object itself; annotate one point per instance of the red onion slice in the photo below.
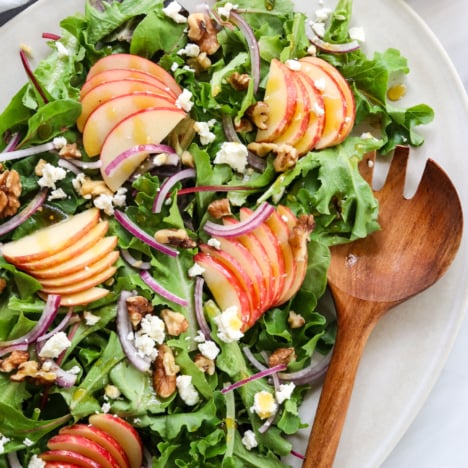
(161, 290)
(132, 228)
(32, 77)
(133, 262)
(69, 166)
(79, 163)
(334, 48)
(50, 36)
(199, 313)
(253, 360)
(25, 213)
(262, 213)
(167, 185)
(65, 321)
(12, 143)
(258, 375)
(23, 153)
(308, 375)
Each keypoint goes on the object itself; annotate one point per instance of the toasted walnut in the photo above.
(164, 372)
(39, 168)
(261, 149)
(259, 113)
(3, 284)
(175, 322)
(286, 157)
(239, 81)
(32, 370)
(70, 150)
(300, 236)
(219, 208)
(200, 63)
(205, 364)
(12, 362)
(282, 356)
(175, 237)
(243, 126)
(202, 30)
(295, 320)
(10, 190)
(93, 188)
(138, 307)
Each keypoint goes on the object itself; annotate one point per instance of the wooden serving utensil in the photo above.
(418, 240)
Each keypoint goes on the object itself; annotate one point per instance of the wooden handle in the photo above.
(354, 328)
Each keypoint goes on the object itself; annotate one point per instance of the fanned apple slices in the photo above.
(260, 269)
(311, 105)
(70, 258)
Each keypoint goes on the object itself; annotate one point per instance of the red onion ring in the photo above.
(51, 36)
(133, 262)
(12, 143)
(161, 290)
(79, 163)
(199, 313)
(308, 375)
(167, 185)
(22, 153)
(64, 322)
(334, 48)
(32, 77)
(69, 166)
(253, 360)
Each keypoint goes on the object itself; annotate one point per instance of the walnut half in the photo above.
(202, 30)
(164, 372)
(10, 191)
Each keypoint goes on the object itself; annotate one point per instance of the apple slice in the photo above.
(51, 239)
(281, 98)
(110, 113)
(83, 446)
(225, 287)
(116, 74)
(68, 458)
(105, 91)
(100, 437)
(333, 100)
(134, 62)
(61, 465)
(124, 433)
(80, 298)
(149, 126)
(75, 250)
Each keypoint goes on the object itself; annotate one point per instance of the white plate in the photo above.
(409, 347)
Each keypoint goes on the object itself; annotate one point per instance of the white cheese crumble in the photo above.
(173, 11)
(229, 325)
(322, 14)
(54, 346)
(215, 243)
(293, 65)
(195, 270)
(184, 100)
(107, 202)
(249, 440)
(209, 349)
(187, 391)
(200, 337)
(358, 34)
(190, 50)
(234, 154)
(203, 130)
(284, 392)
(174, 66)
(3, 441)
(36, 462)
(153, 326)
(50, 175)
(59, 142)
(145, 345)
(318, 29)
(90, 318)
(225, 10)
(28, 442)
(106, 407)
(57, 194)
(112, 391)
(264, 404)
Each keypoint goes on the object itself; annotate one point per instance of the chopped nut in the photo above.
(286, 155)
(93, 188)
(300, 236)
(200, 63)
(243, 126)
(70, 150)
(282, 356)
(38, 170)
(31, 370)
(202, 30)
(204, 364)
(175, 237)
(10, 190)
(164, 372)
(138, 307)
(295, 320)
(261, 149)
(175, 322)
(258, 113)
(240, 82)
(219, 208)
(12, 362)
(3, 284)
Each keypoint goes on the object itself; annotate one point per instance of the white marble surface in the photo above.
(438, 436)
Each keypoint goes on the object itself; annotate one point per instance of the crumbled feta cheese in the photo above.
(104, 202)
(77, 182)
(187, 391)
(229, 325)
(61, 50)
(3, 441)
(225, 10)
(293, 65)
(36, 462)
(50, 175)
(153, 326)
(209, 349)
(90, 318)
(146, 346)
(105, 408)
(195, 270)
(358, 34)
(200, 338)
(264, 404)
(59, 142)
(174, 66)
(203, 130)
(184, 100)
(54, 346)
(190, 50)
(249, 440)
(312, 50)
(319, 29)
(120, 197)
(322, 14)
(173, 11)
(234, 154)
(215, 243)
(284, 392)
(57, 194)
(112, 392)
(28, 442)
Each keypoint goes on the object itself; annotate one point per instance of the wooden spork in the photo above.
(418, 240)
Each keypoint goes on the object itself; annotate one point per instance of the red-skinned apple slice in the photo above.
(225, 287)
(106, 91)
(83, 446)
(68, 456)
(51, 239)
(333, 100)
(102, 438)
(124, 433)
(134, 62)
(61, 465)
(281, 98)
(115, 74)
(81, 298)
(346, 90)
(106, 116)
(149, 126)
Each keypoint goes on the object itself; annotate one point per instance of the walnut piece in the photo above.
(295, 320)
(93, 188)
(70, 150)
(202, 30)
(32, 370)
(200, 63)
(138, 307)
(175, 322)
(175, 237)
(12, 361)
(10, 191)
(286, 155)
(164, 372)
(281, 356)
(259, 113)
(219, 208)
(300, 236)
(3, 284)
(243, 126)
(205, 364)
(239, 81)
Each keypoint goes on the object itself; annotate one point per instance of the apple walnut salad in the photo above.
(170, 184)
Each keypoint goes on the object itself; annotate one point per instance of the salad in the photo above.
(164, 256)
